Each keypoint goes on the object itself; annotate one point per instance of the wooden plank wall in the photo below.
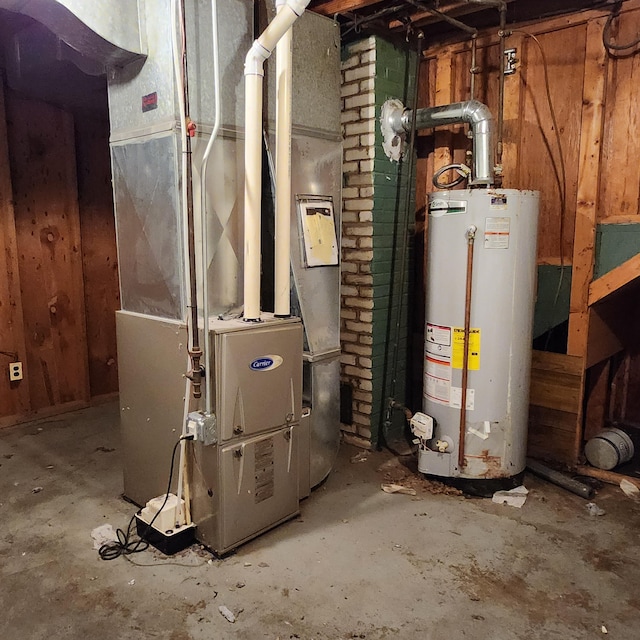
(531, 146)
(43, 171)
(14, 397)
(556, 402)
(62, 275)
(99, 257)
(575, 56)
(619, 184)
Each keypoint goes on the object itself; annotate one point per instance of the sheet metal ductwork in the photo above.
(107, 31)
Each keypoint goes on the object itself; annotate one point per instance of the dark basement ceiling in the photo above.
(359, 18)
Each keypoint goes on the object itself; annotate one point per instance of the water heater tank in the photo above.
(502, 297)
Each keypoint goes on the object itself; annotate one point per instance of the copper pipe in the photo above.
(470, 236)
(187, 130)
(474, 66)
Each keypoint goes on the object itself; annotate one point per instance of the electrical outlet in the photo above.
(15, 371)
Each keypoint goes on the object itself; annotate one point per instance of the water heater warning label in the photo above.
(458, 348)
(437, 370)
(496, 233)
(438, 340)
(437, 380)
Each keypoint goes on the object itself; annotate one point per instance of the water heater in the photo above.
(481, 277)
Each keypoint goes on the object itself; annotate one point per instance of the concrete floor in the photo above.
(358, 563)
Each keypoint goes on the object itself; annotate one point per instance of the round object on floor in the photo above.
(609, 449)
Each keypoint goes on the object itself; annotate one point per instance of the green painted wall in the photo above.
(395, 76)
(615, 244)
(552, 302)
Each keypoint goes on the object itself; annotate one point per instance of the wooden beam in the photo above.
(620, 276)
(605, 333)
(595, 81)
(610, 477)
(331, 7)
(513, 103)
(454, 9)
(489, 37)
(443, 154)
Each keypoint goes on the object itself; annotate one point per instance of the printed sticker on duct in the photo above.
(150, 102)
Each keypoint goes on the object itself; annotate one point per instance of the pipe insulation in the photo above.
(260, 51)
(471, 112)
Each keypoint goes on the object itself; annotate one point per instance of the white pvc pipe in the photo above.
(284, 80)
(203, 204)
(181, 465)
(254, 75)
(252, 195)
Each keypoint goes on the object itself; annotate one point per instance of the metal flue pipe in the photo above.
(254, 79)
(472, 112)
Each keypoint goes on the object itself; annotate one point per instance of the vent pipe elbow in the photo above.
(262, 48)
(471, 112)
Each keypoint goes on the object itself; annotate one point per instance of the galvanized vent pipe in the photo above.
(254, 79)
(472, 112)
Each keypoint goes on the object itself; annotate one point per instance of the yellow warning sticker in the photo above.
(458, 348)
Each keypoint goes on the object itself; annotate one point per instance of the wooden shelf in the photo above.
(610, 282)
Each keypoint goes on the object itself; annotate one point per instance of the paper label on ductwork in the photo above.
(496, 233)
(438, 340)
(457, 358)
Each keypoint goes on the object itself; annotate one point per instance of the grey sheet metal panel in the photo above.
(252, 398)
(127, 85)
(152, 358)
(237, 497)
(304, 454)
(148, 226)
(259, 483)
(109, 31)
(325, 417)
(316, 74)
(225, 226)
(235, 28)
(316, 170)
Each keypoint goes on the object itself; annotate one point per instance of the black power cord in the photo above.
(610, 46)
(124, 545)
